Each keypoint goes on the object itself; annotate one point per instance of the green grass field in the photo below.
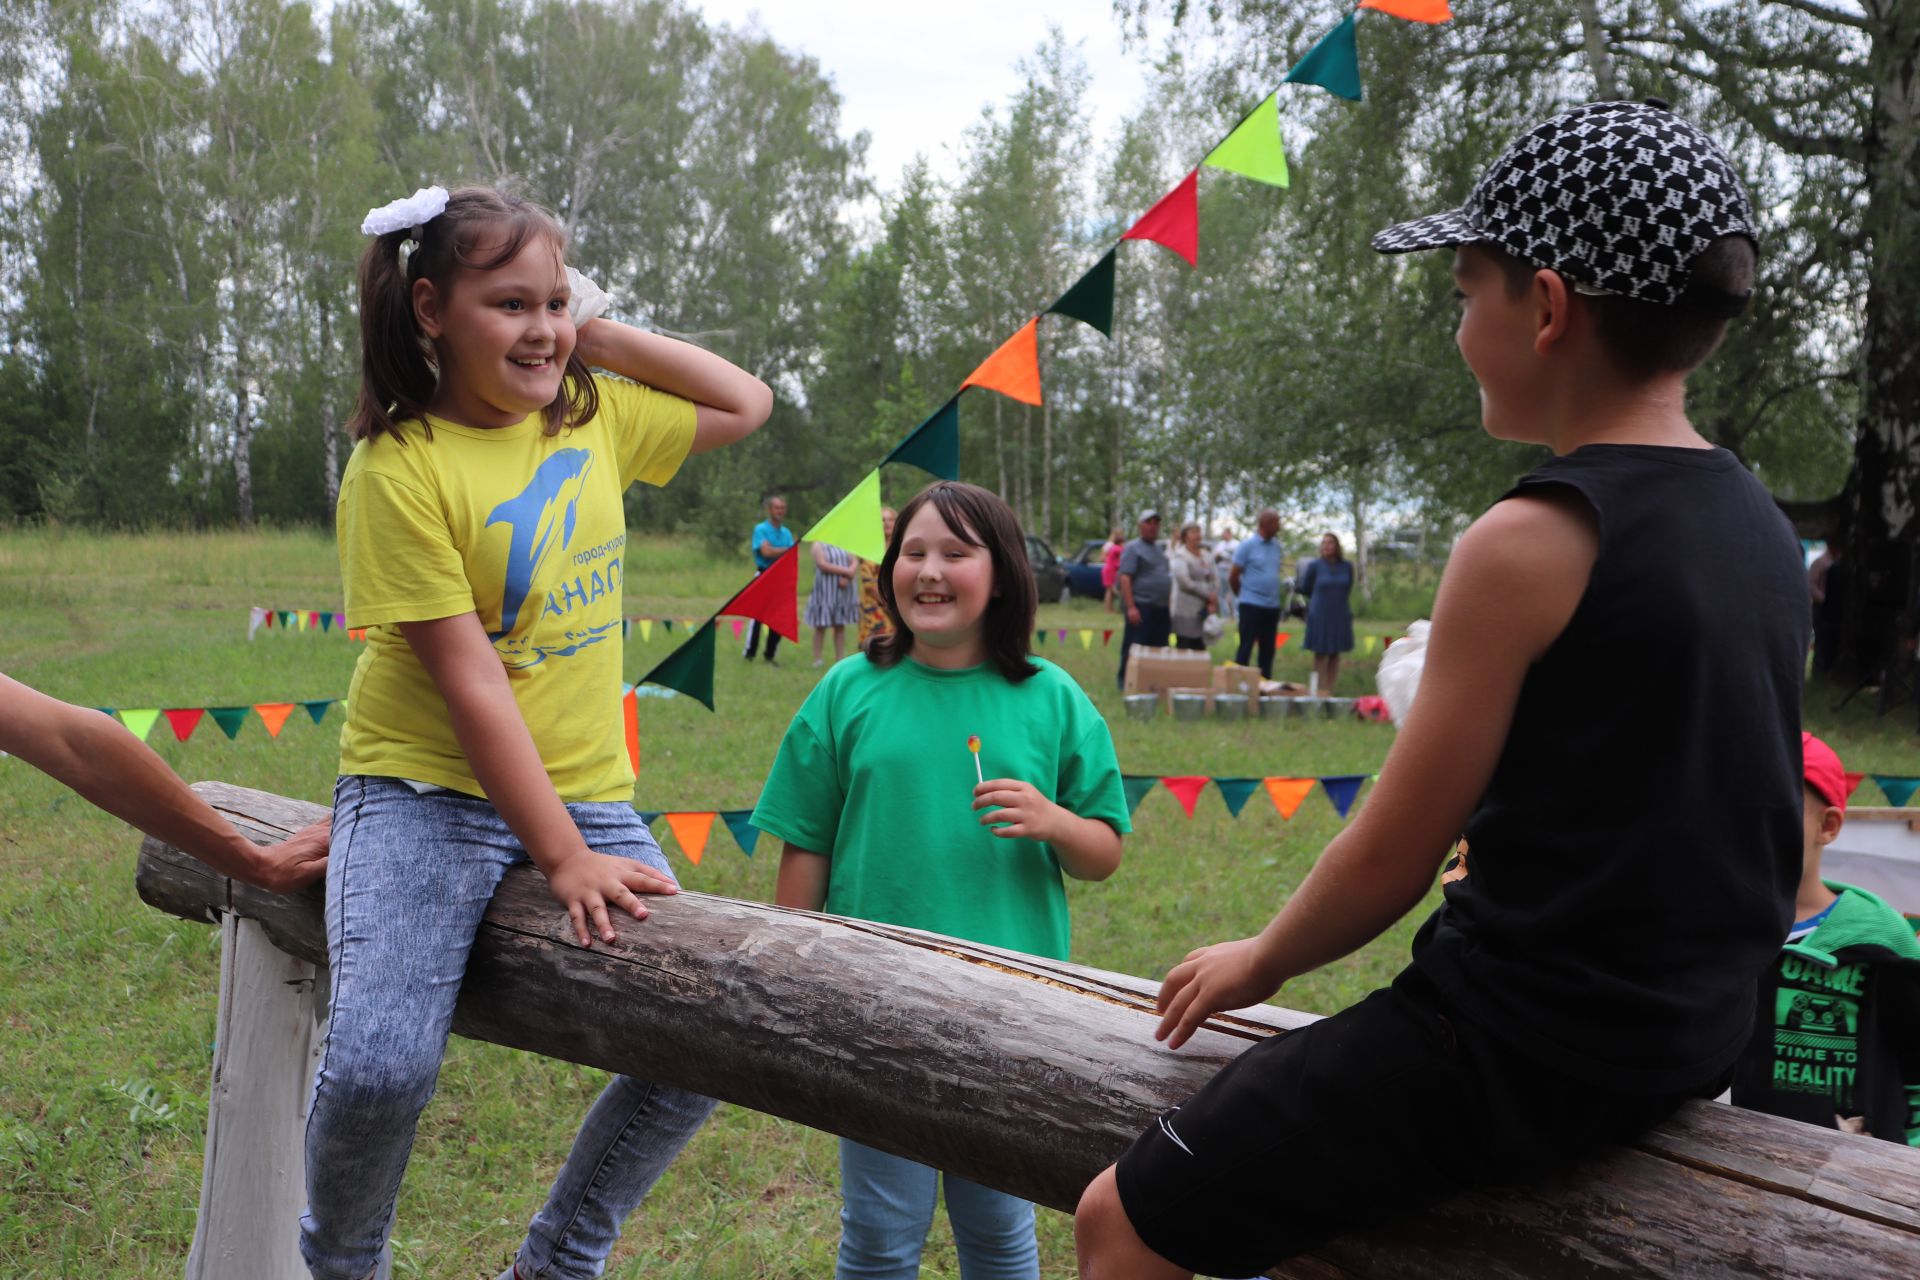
(108, 1006)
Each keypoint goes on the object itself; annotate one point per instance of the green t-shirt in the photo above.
(875, 774)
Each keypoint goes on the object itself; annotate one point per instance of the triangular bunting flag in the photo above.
(1186, 790)
(1342, 788)
(184, 720)
(646, 630)
(1253, 149)
(1106, 638)
(1013, 370)
(934, 445)
(1280, 640)
(229, 719)
(300, 619)
(1235, 791)
(1090, 300)
(326, 622)
(854, 523)
(1367, 643)
(1063, 635)
(1136, 789)
(256, 618)
(1039, 637)
(1897, 790)
(770, 597)
(1412, 10)
(630, 716)
(688, 669)
(340, 620)
(1853, 781)
(1333, 63)
(738, 627)
(1174, 222)
(1086, 638)
(140, 723)
(668, 624)
(284, 616)
(317, 708)
(1288, 794)
(745, 834)
(273, 715)
(649, 816)
(691, 830)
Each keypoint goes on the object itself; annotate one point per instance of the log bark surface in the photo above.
(1031, 1075)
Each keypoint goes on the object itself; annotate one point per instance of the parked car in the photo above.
(1084, 570)
(1049, 573)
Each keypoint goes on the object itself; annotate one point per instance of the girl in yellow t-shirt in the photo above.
(481, 535)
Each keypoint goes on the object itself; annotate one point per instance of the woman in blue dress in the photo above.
(1326, 583)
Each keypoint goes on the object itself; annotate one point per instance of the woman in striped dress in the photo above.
(835, 599)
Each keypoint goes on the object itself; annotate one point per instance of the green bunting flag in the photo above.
(688, 669)
(745, 834)
(853, 525)
(1897, 790)
(1333, 63)
(317, 708)
(229, 719)
(934, 445)
(1235, 791)
(1137, 788)
(140, 723)
(1342, 789)
(1253, 149)
(1090, 300)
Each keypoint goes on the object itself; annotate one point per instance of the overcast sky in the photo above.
(914, 76)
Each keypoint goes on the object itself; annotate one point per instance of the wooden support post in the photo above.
(1029, 1076)
(267, 1042)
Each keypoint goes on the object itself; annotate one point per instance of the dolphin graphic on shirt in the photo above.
(549, 505)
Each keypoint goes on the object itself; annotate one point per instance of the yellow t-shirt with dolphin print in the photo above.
(528, 531)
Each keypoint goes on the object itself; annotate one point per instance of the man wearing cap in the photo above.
(1635, 828)
(1145, 584)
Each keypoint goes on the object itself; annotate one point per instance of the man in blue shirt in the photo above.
(1256, 580)
(770, 537)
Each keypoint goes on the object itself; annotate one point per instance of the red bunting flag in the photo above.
(1013, 370)
(184, 720)
(630, 713)
(1106, 638)
(1186, 790)
(1174, 222)
(770, 597)
(1412, 10)
(273, 715)
(691, 830)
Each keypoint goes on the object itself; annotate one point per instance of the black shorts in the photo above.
(1382, 1109)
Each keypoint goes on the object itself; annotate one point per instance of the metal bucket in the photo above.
(1142, 706)
(1188, 706)
(1338, 708)
(1311, 707)
(1230, 706)
(1274, 708)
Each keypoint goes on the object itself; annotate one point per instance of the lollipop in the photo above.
(973, 745)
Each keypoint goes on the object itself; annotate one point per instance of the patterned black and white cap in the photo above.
(1621, 197)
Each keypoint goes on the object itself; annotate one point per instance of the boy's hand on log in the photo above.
(295, 862)
(1227, 975)
(588, 883)
(1019, 811)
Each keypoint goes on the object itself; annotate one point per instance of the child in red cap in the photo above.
(1837, 1043)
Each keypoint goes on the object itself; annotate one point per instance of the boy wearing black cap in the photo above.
(1552, 1004)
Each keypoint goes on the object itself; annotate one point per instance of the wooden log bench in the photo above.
(1024, 1074)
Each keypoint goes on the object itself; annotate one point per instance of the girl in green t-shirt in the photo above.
(886, 817)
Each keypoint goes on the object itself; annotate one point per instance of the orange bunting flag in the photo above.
(1174, 222)
(1013, 370)
(630, 712)
(1289, 793)
(1186, 790)
(691, 830)
(1412, 10)
(273, 715)
(771, 597)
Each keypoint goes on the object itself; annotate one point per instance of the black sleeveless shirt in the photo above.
(1632, 865)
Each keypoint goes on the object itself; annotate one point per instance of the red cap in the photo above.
(1824, 773)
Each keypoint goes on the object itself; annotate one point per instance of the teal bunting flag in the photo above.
(651, 816)
(1342, 789)
(326, 623)
(745, 834)
(934, 445)
(1897, 790)
(1137, 788)
(1333, 63)
(1236, 791)
(1090, 300)
(688, 669)
(317, 708)
(229, 719)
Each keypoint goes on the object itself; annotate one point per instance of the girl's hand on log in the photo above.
(1020, 812)
(587, 883)
(1227, 975)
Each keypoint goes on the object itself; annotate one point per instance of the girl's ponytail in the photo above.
(396, 376)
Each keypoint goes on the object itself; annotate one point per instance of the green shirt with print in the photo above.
(875, 774)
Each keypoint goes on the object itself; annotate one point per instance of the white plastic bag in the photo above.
(588, 301)
(1400, 668)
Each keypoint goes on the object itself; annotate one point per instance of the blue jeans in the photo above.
(887, 1206)
(409, 879)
